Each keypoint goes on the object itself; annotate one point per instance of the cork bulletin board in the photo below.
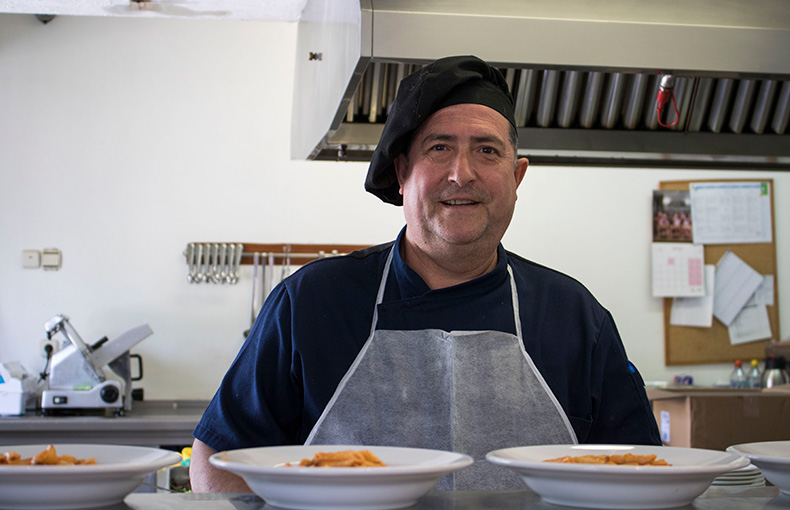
(685, 345)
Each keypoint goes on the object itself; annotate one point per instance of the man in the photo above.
(441, 339)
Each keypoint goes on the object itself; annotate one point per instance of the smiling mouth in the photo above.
(459, 202)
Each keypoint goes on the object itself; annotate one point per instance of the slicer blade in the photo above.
(113, 349)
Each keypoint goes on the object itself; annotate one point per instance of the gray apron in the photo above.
(465, 391)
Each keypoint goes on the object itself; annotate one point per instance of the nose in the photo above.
(461, 171)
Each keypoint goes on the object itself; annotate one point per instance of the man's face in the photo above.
(460, 178)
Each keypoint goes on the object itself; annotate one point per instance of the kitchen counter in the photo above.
(149, 423)
(715, 498)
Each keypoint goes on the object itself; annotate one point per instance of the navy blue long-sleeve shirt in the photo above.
(314, 324)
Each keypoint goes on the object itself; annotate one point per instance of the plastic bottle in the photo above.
(738, 377)
(755, 377)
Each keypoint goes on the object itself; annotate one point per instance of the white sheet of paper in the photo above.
(664, 426)
(730, 212)
(695, 311)
(764, 295)
(735, 282)
(678, 270)
(750, 325)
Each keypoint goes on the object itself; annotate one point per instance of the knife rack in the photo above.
(295, 254)
(213, 262)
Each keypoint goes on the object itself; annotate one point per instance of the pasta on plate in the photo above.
(46, 457)
(347, 458)
(623, 460)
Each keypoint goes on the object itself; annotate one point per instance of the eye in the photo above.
(439, 147)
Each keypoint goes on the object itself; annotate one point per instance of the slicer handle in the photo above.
(139, 366)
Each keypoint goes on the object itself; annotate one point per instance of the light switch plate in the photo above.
(31, 259)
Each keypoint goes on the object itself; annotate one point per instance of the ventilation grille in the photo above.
(596, 100)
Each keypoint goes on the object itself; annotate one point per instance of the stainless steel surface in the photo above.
(525, 102)
(199, 264)
(233, 271)
(149, 423)
(774, 377)
(569, 98)
(634, 101)
(61, 324)
(591, 101)
(775, 372)
(122, 366)
(683, 90)
(611, 44)
(701, 102)
(213, 262)
(77, 379)
(206, 271)
(612, 101)
(114, 348)
(223, 262)
(764, 498)
(256, 291)
(762, 107)
(219, 261)
(83, 377)
(720, 101)
(269, 278)
(782, 112)
(705, 35)
(191, 255)
(548, 95)
(740, 108)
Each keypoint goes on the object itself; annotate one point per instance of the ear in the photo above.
(520, 170)
(401, 170)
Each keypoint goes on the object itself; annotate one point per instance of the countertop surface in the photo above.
(715, 498)
(148, 423)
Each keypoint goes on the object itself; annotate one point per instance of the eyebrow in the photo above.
(441, 137)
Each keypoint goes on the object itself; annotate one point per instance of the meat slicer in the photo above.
(87, 378)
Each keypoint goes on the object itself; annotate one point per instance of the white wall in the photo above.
(124, 139)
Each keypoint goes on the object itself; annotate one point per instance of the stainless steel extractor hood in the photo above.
(584, 75)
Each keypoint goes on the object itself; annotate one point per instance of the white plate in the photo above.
(773, 459)
(747, 476)
(601, 486)
(119, 470)
(409, 474)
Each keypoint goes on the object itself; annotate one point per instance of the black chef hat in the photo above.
(445, 82)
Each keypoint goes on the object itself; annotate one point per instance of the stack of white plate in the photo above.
(747, 476)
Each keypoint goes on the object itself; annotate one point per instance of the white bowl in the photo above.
(773, 459)
(605, 486)
(408, 475)
(118, 471)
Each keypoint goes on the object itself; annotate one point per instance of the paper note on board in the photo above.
(764, 295)
(750, 324)
(695, 311)
(731, 212)
(735, 282)
(678, 270)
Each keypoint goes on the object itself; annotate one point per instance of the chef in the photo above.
(442, 338)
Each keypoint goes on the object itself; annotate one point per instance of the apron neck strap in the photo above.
(383, 285)
(514, 299)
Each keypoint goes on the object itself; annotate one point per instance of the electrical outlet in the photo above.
(51, 342)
